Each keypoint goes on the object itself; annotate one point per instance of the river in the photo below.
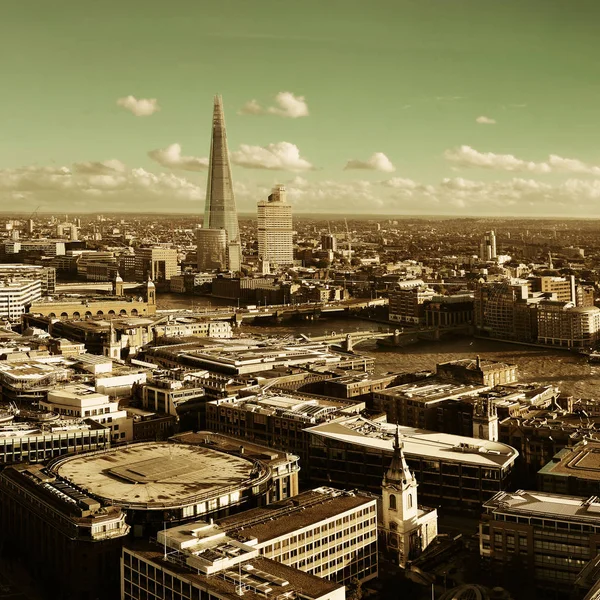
(569, 372)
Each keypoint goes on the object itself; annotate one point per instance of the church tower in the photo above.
(118, 286)
(485, 420)
(150, 293)
(400, 507)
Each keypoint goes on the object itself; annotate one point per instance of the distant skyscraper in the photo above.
(220, 210)
(211, 249)
(487, 248)
(275, 231)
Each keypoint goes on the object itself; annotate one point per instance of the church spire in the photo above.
(398, 471)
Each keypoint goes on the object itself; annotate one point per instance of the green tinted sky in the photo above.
(404, 78)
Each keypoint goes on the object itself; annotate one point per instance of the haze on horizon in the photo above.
(396, 107)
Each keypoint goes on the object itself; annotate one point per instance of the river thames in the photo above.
(571, 373)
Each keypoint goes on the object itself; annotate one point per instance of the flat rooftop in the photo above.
(156, 475)
(254, 574)
(284, 517)
(581, 461)
(418, 443)
(432, 389)
(542, 504)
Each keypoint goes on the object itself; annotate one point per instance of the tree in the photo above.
(354, 590)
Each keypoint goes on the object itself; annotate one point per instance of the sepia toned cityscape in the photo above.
(228, 370)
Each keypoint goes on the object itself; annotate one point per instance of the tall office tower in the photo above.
(329, 242)
(220, 211)
(275, 232)
(487, 248)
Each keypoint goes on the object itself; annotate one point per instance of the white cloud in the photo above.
(466, 156)
(485, 120)
(172, 158)
(400, 183)
(288, 105)
(100, 168)
(281, 156)
(98, 185)
(377, 162)
(469, 157)
(140, 107)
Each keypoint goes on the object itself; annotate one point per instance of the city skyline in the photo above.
(399, 108)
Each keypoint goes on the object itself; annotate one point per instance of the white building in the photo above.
(407, 527)
(80, 401)
(16, 295)
(275, 231)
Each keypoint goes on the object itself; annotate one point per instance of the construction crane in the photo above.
(349, 242)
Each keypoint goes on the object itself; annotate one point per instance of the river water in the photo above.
(569, 372)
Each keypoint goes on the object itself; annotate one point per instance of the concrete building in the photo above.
(220, 210)
(324, 532)
(81, 401)
(408, 305)
(156, 264)
(452, 471)
(67, 540)
(211, 249)
(47, 275)
(407, 528)
(39, 441)
(203, 563)
(17, 295)
(165, 394)
(283, 465)
(276, 420)
(275, 231)
(67, 230)
(574, 470)
(174, 326)
(487, 247)
(563, 324)
(329, 242)
(478, 372)
(157, 482)
(551, 536)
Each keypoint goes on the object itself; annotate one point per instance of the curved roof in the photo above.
(159, 475)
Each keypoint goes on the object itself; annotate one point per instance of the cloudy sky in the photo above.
(466, 107)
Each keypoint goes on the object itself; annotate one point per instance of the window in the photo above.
(410, 501)
(393, 502)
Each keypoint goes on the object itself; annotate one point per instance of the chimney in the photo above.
(478, 362)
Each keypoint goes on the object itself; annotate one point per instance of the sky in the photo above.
(386, 107)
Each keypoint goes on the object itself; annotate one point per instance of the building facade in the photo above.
(220, 211)
(68, 541)
(275, 231)
(551, 537)
(211, 249)
(157, 264)
(17, 295)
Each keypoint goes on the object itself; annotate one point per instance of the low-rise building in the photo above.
(551, 536)
(325, 532)
(573, 470)
(36, 442)
(453, 471)
(81, 401)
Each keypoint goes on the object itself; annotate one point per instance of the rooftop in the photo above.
(280, 518)
(432, 389)
(581, 461)
(157, 475)
(421, 443)
(260, 577)
(542, 504)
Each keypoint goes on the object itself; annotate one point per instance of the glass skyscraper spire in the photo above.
(220, 210)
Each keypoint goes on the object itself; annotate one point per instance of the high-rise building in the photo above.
(487, 247)
(329, 242)
(220, 211)
(275, 232)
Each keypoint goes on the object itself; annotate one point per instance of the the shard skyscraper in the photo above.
(220, 211)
